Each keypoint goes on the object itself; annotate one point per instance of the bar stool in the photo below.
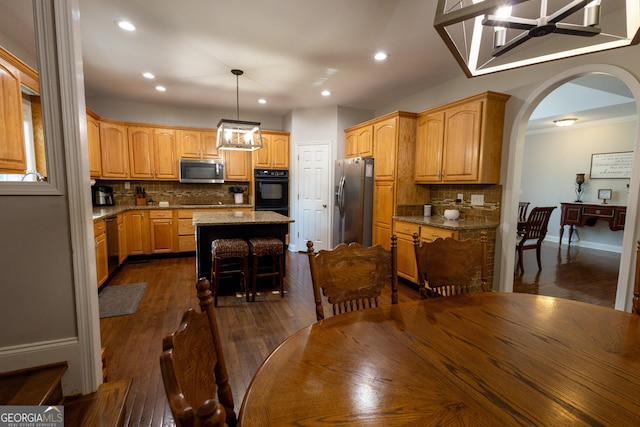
(229, 256)
(267, 247)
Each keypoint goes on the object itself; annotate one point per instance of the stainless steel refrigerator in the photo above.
(353, 201)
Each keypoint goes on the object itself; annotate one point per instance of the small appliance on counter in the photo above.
(102, 195)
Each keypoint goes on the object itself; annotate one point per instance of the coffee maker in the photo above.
(102, 195)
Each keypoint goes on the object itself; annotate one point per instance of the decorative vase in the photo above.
(238, 198)
(451, 214)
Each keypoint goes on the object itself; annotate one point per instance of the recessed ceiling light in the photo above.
(148, 75)
(161, 88)
(565, 122)
(126, 25)
(326, 93)
(262, 101)
(380, 56)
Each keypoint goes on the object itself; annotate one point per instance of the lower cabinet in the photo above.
(403, 230)
(161, 231)
(136, 228)
(100, 239)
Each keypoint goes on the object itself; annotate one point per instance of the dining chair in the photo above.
(522, 216)
(193, 368)
(534, 232)
(449, 266)
(352, 276)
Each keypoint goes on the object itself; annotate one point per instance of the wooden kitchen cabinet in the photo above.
(100, 239)
(114, 150)
(136, 225)
(152, 153)
(429, 233)
(93, 143)
(406, 265)
(461, 142)
(122, 242)
(359, 142)
(13, 158)
(385, 148)
(197, 144)
(275, 151)
(383, 209)
(237, 165)
(161, 231)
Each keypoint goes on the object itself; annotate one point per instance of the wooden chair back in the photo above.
(522, 211)
(194, 371)
(450, 267)
(533, 233)
(352, 276)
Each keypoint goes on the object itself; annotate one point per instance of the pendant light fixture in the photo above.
(487, 36)
(238, 134)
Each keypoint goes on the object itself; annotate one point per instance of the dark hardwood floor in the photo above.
(251, 331)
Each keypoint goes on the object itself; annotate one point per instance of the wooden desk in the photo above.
(476, 359)
(242, 225)
(581, 214)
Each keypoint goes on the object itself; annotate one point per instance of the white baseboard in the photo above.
(586, 244)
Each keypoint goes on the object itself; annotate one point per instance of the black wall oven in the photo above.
(272, 190)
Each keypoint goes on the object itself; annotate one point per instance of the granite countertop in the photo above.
(441, 222)
(234, 218)
(107, 211)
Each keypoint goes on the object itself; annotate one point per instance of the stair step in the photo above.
(104, 408)
(39, 385)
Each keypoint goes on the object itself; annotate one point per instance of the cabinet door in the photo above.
(237, 165)
(262, 158)
(462, 143)
(385, 144)
(406, 253)
(279, 151)
(161, 231)
(429, 146)
(365, 141)
(189, 144)
(136, 225)
(93, 143)
(141, 158)
(209, 142)
(351, 144)
(113, 150)
(383, 203)
(122, 243)
(13, 158)
(102, 267)
(165, 154)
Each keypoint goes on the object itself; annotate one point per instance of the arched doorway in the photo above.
(514, 176)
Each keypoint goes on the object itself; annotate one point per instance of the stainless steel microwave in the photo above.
(202, 171)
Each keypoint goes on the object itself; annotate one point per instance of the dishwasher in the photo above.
(112, 243)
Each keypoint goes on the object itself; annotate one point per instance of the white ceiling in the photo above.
(289, 50)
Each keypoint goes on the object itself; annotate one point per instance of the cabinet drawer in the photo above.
(161, 214)
(605, 212)
(186, 227)
(187, 243)
(407, 228)
(185, 214)
(98, 227)
(431, 233)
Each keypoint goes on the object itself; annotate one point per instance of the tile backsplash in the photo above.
(176, 193)
(443, 196)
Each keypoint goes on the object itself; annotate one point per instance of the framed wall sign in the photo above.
(611, 165)
(604, 194)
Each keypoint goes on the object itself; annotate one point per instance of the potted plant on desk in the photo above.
(238, 194)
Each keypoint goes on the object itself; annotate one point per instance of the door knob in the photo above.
(324, 205)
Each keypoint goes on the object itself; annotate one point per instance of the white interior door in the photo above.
(314, 199)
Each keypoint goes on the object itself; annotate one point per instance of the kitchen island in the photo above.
(241, 225)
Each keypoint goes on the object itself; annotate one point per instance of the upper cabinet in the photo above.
(461, 142)
(114, 150)
(359, 142)
(152, 153)
(196, 144)
(275, 151)
(12, 150)
(93, 142)
(237, 165)
(165, 154)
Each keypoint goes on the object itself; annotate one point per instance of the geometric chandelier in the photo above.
(488, 36)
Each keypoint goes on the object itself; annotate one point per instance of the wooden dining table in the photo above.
(477, 359)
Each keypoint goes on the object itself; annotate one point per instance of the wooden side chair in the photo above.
(522, 216)
(194, 371)
(534, 232)
(451, 267)
(352, 276)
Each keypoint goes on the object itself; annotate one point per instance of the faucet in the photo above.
(36, 173)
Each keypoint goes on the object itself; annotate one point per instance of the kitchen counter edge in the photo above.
(105, 212)
(441, 222)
